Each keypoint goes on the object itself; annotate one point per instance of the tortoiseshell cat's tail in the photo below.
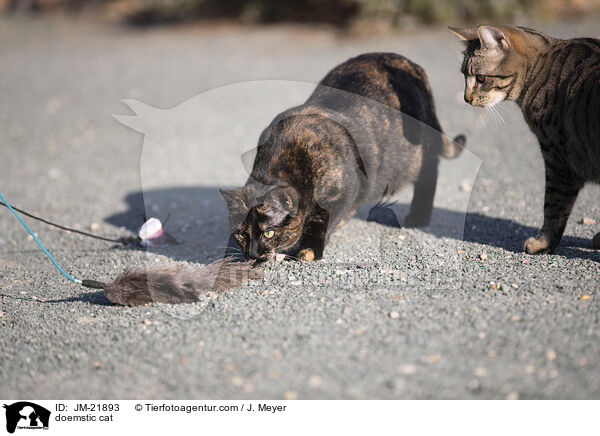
(452, 149)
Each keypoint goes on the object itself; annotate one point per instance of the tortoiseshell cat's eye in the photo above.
(269, 234)
(479, 78)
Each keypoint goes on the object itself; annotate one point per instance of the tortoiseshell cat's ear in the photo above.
(284, 198)
(465, 33)
(238, 200)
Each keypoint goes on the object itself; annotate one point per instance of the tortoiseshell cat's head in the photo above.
(495, 62)
(264, 220)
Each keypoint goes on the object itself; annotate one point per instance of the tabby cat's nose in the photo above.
(468, 97)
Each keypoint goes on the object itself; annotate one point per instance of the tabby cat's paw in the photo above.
(538, 245)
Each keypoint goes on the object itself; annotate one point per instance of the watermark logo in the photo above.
(207, 145)
(26, 415)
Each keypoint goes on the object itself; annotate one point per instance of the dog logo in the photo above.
(26, 415)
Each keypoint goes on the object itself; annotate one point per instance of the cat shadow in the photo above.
(478, 228)
(198, 220)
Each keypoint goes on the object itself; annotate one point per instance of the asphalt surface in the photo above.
(388, 313)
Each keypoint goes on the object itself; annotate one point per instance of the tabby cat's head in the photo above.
(495, 63)
(264, 223)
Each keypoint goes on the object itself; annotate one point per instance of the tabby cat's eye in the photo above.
(269, 234)
(479, 78)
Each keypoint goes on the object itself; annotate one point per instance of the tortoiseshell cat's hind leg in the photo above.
(561, 192)
(596, 241)
(421, 206)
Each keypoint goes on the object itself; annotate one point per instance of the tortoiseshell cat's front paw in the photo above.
(538, 245)
(306, 254)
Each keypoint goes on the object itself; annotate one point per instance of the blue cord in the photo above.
(73, 279)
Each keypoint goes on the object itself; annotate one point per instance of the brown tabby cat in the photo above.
(556, 83)
(368, 130)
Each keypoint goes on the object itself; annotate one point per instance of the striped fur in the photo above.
(556, 83)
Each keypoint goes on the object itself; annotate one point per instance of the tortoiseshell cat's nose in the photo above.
(254, 251)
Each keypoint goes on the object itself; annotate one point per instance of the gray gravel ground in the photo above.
(389, 312)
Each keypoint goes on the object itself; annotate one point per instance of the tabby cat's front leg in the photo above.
(562, 187)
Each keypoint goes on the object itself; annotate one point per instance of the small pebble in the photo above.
(483, 256)
(514, 285)
(290, 394)
(433, 358)
(94, 227)
(479, 371)
(512, 396)
(96, 364)
(515, 318)
(314, 382)
(550, 354)
(279, 257)
(394, 315)
(407, 369)
(237, 381)
(473, 385)
(588, 221)
(584, 297)
(465, 186)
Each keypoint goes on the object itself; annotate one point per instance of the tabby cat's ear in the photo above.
(238, 200)
(465, 33)
(492, 38)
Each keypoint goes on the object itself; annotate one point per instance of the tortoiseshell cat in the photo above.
(556, 83)
(318, 163)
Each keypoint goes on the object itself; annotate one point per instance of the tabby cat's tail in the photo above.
(451, 149)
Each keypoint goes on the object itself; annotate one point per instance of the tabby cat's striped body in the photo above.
(557, 85)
